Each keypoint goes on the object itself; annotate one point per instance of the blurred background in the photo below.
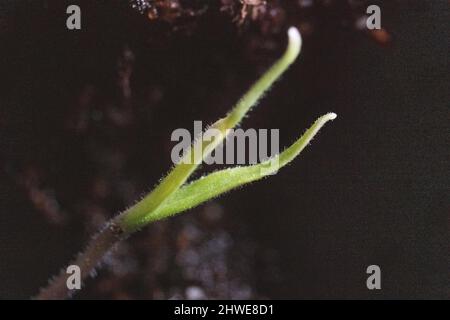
(85, 124)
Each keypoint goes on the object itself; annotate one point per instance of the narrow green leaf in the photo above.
(136, 216)
(219, 182)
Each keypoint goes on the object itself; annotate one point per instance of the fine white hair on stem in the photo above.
(173, 195)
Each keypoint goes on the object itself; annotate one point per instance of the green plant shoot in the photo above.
(172, 196)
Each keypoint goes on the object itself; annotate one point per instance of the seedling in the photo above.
(173, 195)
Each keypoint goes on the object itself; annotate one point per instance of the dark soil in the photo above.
(85, 124)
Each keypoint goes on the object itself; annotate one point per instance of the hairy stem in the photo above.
(87, 261)
(140, 214)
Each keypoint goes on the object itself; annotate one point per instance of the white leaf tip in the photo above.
(294, 34)
(295, 42)
(331, 115)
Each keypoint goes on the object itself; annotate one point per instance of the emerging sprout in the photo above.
(173, 195)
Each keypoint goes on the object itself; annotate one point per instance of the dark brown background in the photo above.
(371, 189)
